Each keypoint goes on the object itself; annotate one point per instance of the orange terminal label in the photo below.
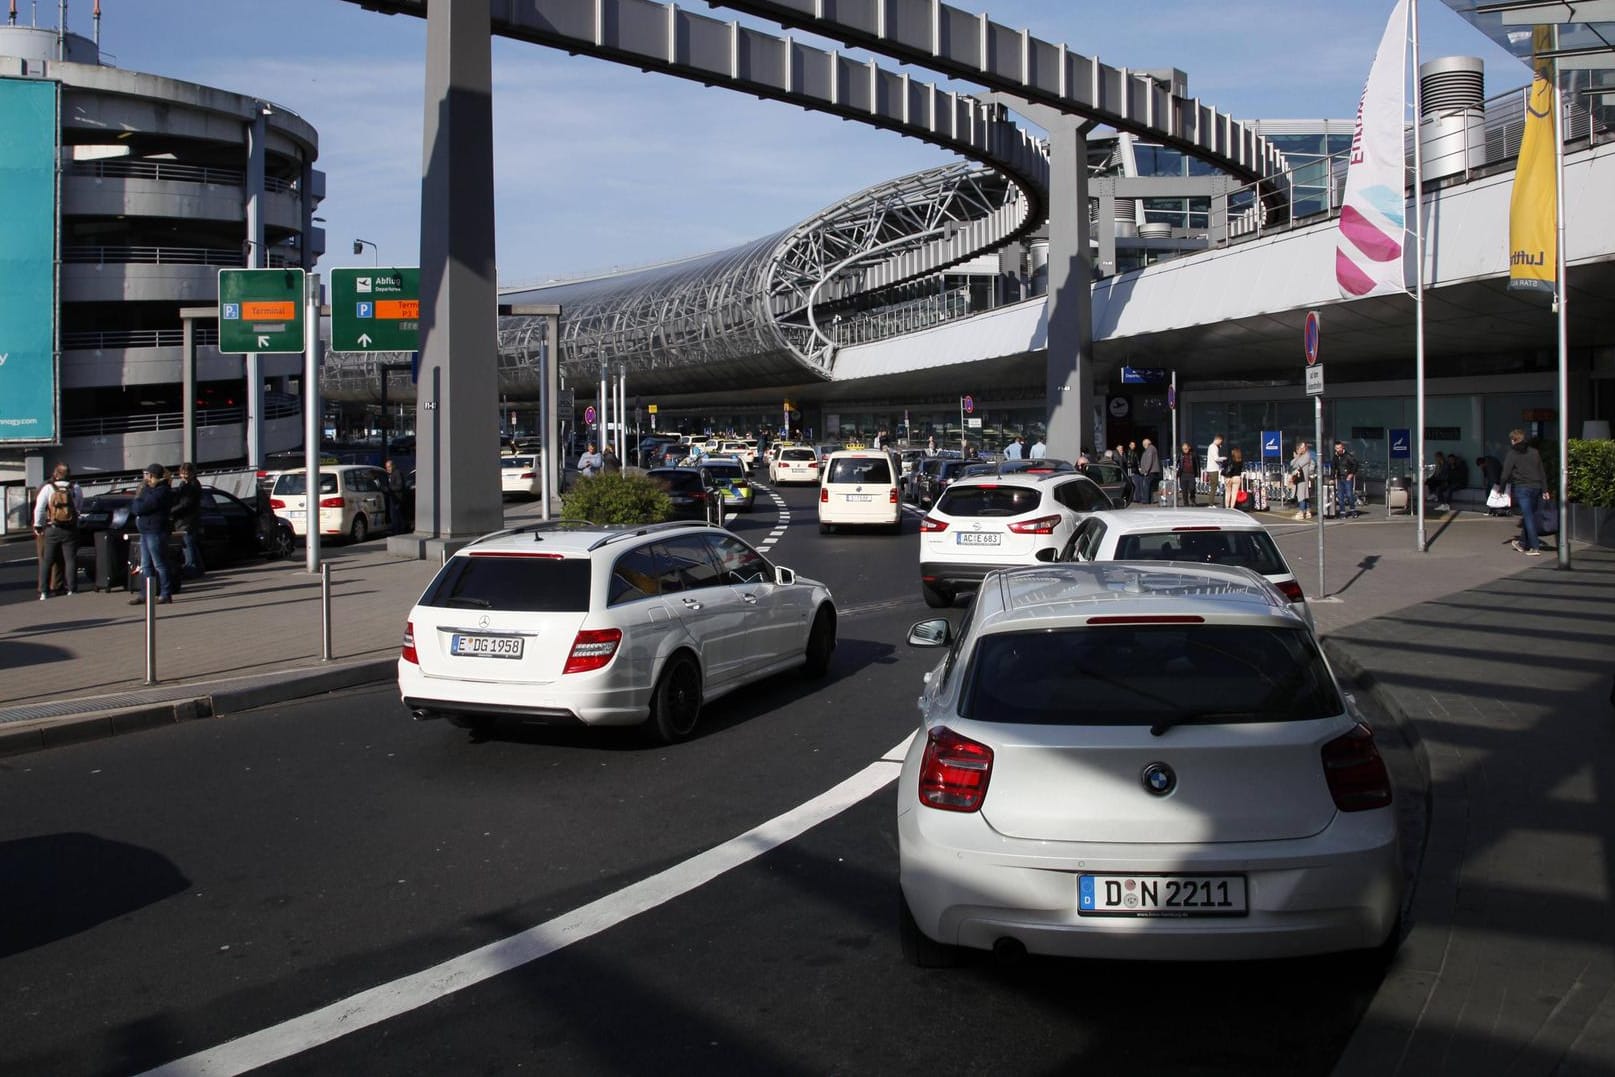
(397, 309)
(261, 311)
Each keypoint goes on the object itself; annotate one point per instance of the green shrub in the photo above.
(1592, 472)
(615, 497)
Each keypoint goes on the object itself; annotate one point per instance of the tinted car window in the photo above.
(518, 463)
(1104, 473)
(636, 575)
(1248, 549)
(874, 470)
(678, 481)
(1079, 496)
(798, 454)
(725, 472)
(292, 483)
(1144, 674)
(516, 583)
(738, 562)
(989, 500)
(686, 564)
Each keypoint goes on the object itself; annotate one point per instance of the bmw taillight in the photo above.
(276, 503)
(1291, 589)
(408, 654)
(1043, 525)
(592, 649)
(1356, 774)
(954, 771)
(331, 502)
(824, 494)
(931, 524)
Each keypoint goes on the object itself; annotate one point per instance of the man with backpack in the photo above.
(56, 529)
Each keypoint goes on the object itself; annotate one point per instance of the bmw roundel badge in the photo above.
(1158, 778)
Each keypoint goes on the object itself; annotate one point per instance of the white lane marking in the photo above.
(408, 993)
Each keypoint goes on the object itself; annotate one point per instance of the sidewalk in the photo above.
(1497, 667)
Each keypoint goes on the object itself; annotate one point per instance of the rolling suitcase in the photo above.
(111, 561)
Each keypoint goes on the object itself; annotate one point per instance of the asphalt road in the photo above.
(167, 892)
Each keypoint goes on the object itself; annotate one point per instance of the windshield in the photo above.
(989, 500)
(1149, 674)
(1247, 549)
(849, 469)
(294, 483)
(512, 582)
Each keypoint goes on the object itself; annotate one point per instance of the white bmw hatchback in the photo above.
(575, 624)
(1145, 762)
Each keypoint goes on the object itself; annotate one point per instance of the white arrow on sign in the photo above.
(263, 341)
(364, 340)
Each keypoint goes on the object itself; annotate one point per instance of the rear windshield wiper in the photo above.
(470, 603)
(1206, 718)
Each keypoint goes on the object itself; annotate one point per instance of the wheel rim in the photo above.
(359, 529)
(682, 698)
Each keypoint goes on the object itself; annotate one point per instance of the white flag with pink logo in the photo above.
(1373, 214)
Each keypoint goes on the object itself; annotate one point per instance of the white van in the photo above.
(859, 488)
(353, 501)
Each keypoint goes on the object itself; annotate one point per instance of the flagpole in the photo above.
(1418, 270)
(1561, 291)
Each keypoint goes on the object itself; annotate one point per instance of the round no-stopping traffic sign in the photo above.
(969, 403)
(1309, 338)
(589, 415)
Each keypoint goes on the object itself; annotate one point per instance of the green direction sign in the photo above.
(376, 310)
(261, 310)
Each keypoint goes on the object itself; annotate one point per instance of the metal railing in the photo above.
(173, 172)
(134, 338)
(149, 422)
(899, 318)
(188, 256)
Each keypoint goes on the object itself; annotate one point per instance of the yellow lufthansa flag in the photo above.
(1532, 214)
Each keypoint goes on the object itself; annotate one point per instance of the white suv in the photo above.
(999, 521)
(567, 623)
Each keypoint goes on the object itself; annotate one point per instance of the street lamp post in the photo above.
(360, 244)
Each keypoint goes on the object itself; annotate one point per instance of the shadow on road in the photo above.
(57, 885)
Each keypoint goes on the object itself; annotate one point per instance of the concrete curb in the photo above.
(1379, 1045)
(209, 702)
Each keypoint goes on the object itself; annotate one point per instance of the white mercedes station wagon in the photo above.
(1141, 762)
(562, 623)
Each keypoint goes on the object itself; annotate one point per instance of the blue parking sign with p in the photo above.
(231, 311)
(364, 310)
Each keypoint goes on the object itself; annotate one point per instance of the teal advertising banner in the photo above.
(28, 135)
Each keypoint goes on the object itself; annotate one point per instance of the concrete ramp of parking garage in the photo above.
(1495, 668)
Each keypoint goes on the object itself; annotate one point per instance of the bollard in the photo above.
(325, 611)
(151, 627)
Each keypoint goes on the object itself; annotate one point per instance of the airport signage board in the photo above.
(1401, 447)
(261, 310)
(1133, 375)
(376, 309)
(1272, 447)
(29, 390)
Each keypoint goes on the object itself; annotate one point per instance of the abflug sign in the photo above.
(28, 131)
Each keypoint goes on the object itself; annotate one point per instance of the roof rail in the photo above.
(542, 525)
(635, 532)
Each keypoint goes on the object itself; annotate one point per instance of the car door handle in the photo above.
(690, 603)
(749, 598)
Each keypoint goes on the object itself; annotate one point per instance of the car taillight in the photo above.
(824, 494)
(1291, 589)
(529, 474)
(331, 502)
(698, 495)
(954, 771)
(891, 496)
(408, 654)
(592, 649)
(931, 524)
(1043, 525)
(813, 463)
(1355, 772)
(276, 503)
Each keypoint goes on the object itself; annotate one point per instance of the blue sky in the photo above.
(598, 165)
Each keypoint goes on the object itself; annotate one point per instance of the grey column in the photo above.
(457, 439)
(257, 258)
(1070, 379)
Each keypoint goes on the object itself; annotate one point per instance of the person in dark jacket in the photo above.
(396, 492)
(152, 509)
(1522, 467)
(187, 514)
(1491, 469)
(1233, 477)
(1188, 472)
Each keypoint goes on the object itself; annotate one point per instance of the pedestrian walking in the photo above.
(1523, 470)
(1013, 450)
(56, 531)
(1149, 471)
(1188, 472)
(1345, 481)
(187, 515)
(1233, 477)
(395, 491)
(591, 463)
(1038, 451)
(1303, 469)
(152, 509)
(1213, 468)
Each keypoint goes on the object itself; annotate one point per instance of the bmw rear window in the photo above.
(1145, 674)
(1246, 549)
(512, 583)
(989, 500)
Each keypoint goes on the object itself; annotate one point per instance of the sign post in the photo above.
(967, 404)
(1398, 446)
(1314, 371)
(309, 323)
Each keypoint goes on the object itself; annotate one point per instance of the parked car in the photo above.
(1146, 762)
(860, 489)
(519, 476)
(353, 500)
(1112, 479)
(687, 488)
(936, 477)
(232, 529)
(1198, 536)
(744, 451)
(795, 463)
(726, 476)
(609, 626)
(981, 524)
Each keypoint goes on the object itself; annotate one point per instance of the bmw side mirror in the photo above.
(784, 576)
(933, 633)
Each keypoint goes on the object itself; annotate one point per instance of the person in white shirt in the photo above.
(1213, 472)
(1039, 450)
(56, 529)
